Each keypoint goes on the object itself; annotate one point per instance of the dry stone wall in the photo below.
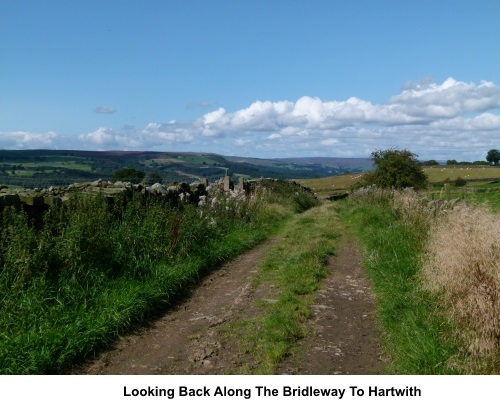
(36, 201)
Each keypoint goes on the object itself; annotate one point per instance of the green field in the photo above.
(469, 173)
(476, 176)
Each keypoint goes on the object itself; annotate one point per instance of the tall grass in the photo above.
(462, 265)
(95, 268)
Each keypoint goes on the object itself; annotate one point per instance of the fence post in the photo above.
(447, 191)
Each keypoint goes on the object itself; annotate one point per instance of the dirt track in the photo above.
(341, 339)
(342, 336)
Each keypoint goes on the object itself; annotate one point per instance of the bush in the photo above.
(153, 178)
(460, 182)
(129, 174)
(395, 169)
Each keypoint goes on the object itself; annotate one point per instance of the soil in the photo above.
(341, 339)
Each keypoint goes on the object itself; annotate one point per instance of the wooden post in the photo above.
(447, 191)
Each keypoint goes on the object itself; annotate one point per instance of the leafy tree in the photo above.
(451, 162)
(129, 174)
(153, 178)
(396, 168)
(493, 156)
(431, 162)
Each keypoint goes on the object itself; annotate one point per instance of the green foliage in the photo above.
(493, 156)
(395, 169)
(451, 162)
(128, 174)
(95, 268)
(289, 193)
(431, 162)
(153, 178)
(460, 182)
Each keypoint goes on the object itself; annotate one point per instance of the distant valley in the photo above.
(43, 168)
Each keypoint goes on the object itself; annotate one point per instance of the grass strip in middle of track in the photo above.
(291, 273)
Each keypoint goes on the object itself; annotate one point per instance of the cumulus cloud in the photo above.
(27, 140)
(448, 100)
(152, 136)
(422, 111)
(105, 109)
(418, 105)
(452, 119)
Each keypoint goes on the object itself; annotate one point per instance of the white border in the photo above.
(110, 390)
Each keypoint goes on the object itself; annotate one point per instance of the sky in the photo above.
(254, 78)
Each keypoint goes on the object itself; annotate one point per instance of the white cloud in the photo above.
(329, 142)
(241, 142)
(105, 109)
(427, 111)
(152, 136)
(274, 136)
(447, 100)
(453, 119)
(27, 140)
(198, 104)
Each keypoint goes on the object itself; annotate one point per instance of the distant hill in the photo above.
(42, 168)
(346, 164)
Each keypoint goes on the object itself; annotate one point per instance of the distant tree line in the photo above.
(455, 162)
(465, 163)
(492, 158)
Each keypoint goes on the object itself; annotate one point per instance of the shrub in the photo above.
(129, 174)
(460, 182)
(395, 169)
(153, 178)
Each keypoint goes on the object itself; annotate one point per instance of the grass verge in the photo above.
(415, 336)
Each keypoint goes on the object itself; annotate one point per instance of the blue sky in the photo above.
(252, 78)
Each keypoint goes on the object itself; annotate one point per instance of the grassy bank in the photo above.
(94, 270)
(435, 274)
(294, 267)
(415, 336)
